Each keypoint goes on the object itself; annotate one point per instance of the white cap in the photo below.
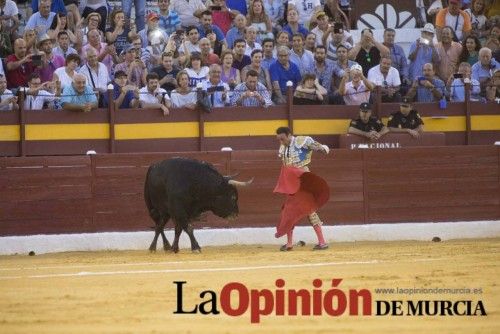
(429, 27)
(91, 152)
(356, 67)
(226, 149)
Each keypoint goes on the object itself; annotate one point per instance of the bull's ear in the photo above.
(231, 176)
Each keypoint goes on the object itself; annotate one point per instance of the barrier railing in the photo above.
(59, 132)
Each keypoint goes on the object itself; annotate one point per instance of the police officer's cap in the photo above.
(365, 107)
(405, 101)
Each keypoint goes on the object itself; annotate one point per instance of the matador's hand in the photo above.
(326, 149)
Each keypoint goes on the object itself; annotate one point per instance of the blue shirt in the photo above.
(325, 76)
(170, 23)
(129, 96)
(40, 24)
(218, 32)
(425, 94)
(281, 75)
(232, 35)
(423, 56)
(57, 6)
(303, 62)
(301, 30)
(457, 92)
(69, 95)
(399, 60)
(239, 5)
(479, 72)
(267, 62)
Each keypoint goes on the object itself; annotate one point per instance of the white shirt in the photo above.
(392, 79)
(7, 94)
(195, 78)
(58, 51)
(355, 96)
(36, 102)
(179, 100)
(186, 9)
(249, 49)
(10, 9)
(189, 48)
(152, 98)
(95, 80)
(305, 9)
(64, 78)
(216, 97)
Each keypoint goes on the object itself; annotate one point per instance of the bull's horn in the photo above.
(240, 183)
(232, 176)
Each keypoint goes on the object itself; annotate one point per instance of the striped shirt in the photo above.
(251, 101)
(169, 23)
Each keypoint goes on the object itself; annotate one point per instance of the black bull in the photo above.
(182, 189)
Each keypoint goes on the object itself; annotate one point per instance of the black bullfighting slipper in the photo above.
(286, 248)
(320, 247)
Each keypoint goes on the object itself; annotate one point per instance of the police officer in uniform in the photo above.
(366, 125)
(406, 120)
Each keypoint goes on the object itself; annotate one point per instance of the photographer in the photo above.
(152, 96)
(216, 90)
(456, 84)
(427, 88)
(251, 93)
(124, 95)
(422, 51)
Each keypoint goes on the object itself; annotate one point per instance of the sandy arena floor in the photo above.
(132, 292)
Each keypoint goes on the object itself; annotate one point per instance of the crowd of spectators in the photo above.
(180, 53)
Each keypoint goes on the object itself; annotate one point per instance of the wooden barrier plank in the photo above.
(433, 214)
(47, 192)
(46, 226)
(46, 209)
(415, 200)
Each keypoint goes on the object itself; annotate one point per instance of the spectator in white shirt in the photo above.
(184, 96)
(357, 90)
(8, 101)
(386, 77)
(37, 94)
(218, 91)
(96, 73)
(9, 17)
(153, 96)
(63, 49)
(251, 39)
(305, 9)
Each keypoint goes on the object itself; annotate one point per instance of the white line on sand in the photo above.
(105, 265)
(192, 270)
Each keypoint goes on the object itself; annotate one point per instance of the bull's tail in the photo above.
(147, 197)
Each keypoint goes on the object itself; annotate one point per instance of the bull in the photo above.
(182, 189)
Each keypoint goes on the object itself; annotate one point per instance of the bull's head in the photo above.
(226, 202)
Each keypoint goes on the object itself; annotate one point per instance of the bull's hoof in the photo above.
(167, 248)
(152, 249)
(196, 250)
(175, 250)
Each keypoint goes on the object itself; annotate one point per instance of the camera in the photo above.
(420, 79)
(424, 41)
(458, 75)
(338, 28)
(37, 60)
(215, 7)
